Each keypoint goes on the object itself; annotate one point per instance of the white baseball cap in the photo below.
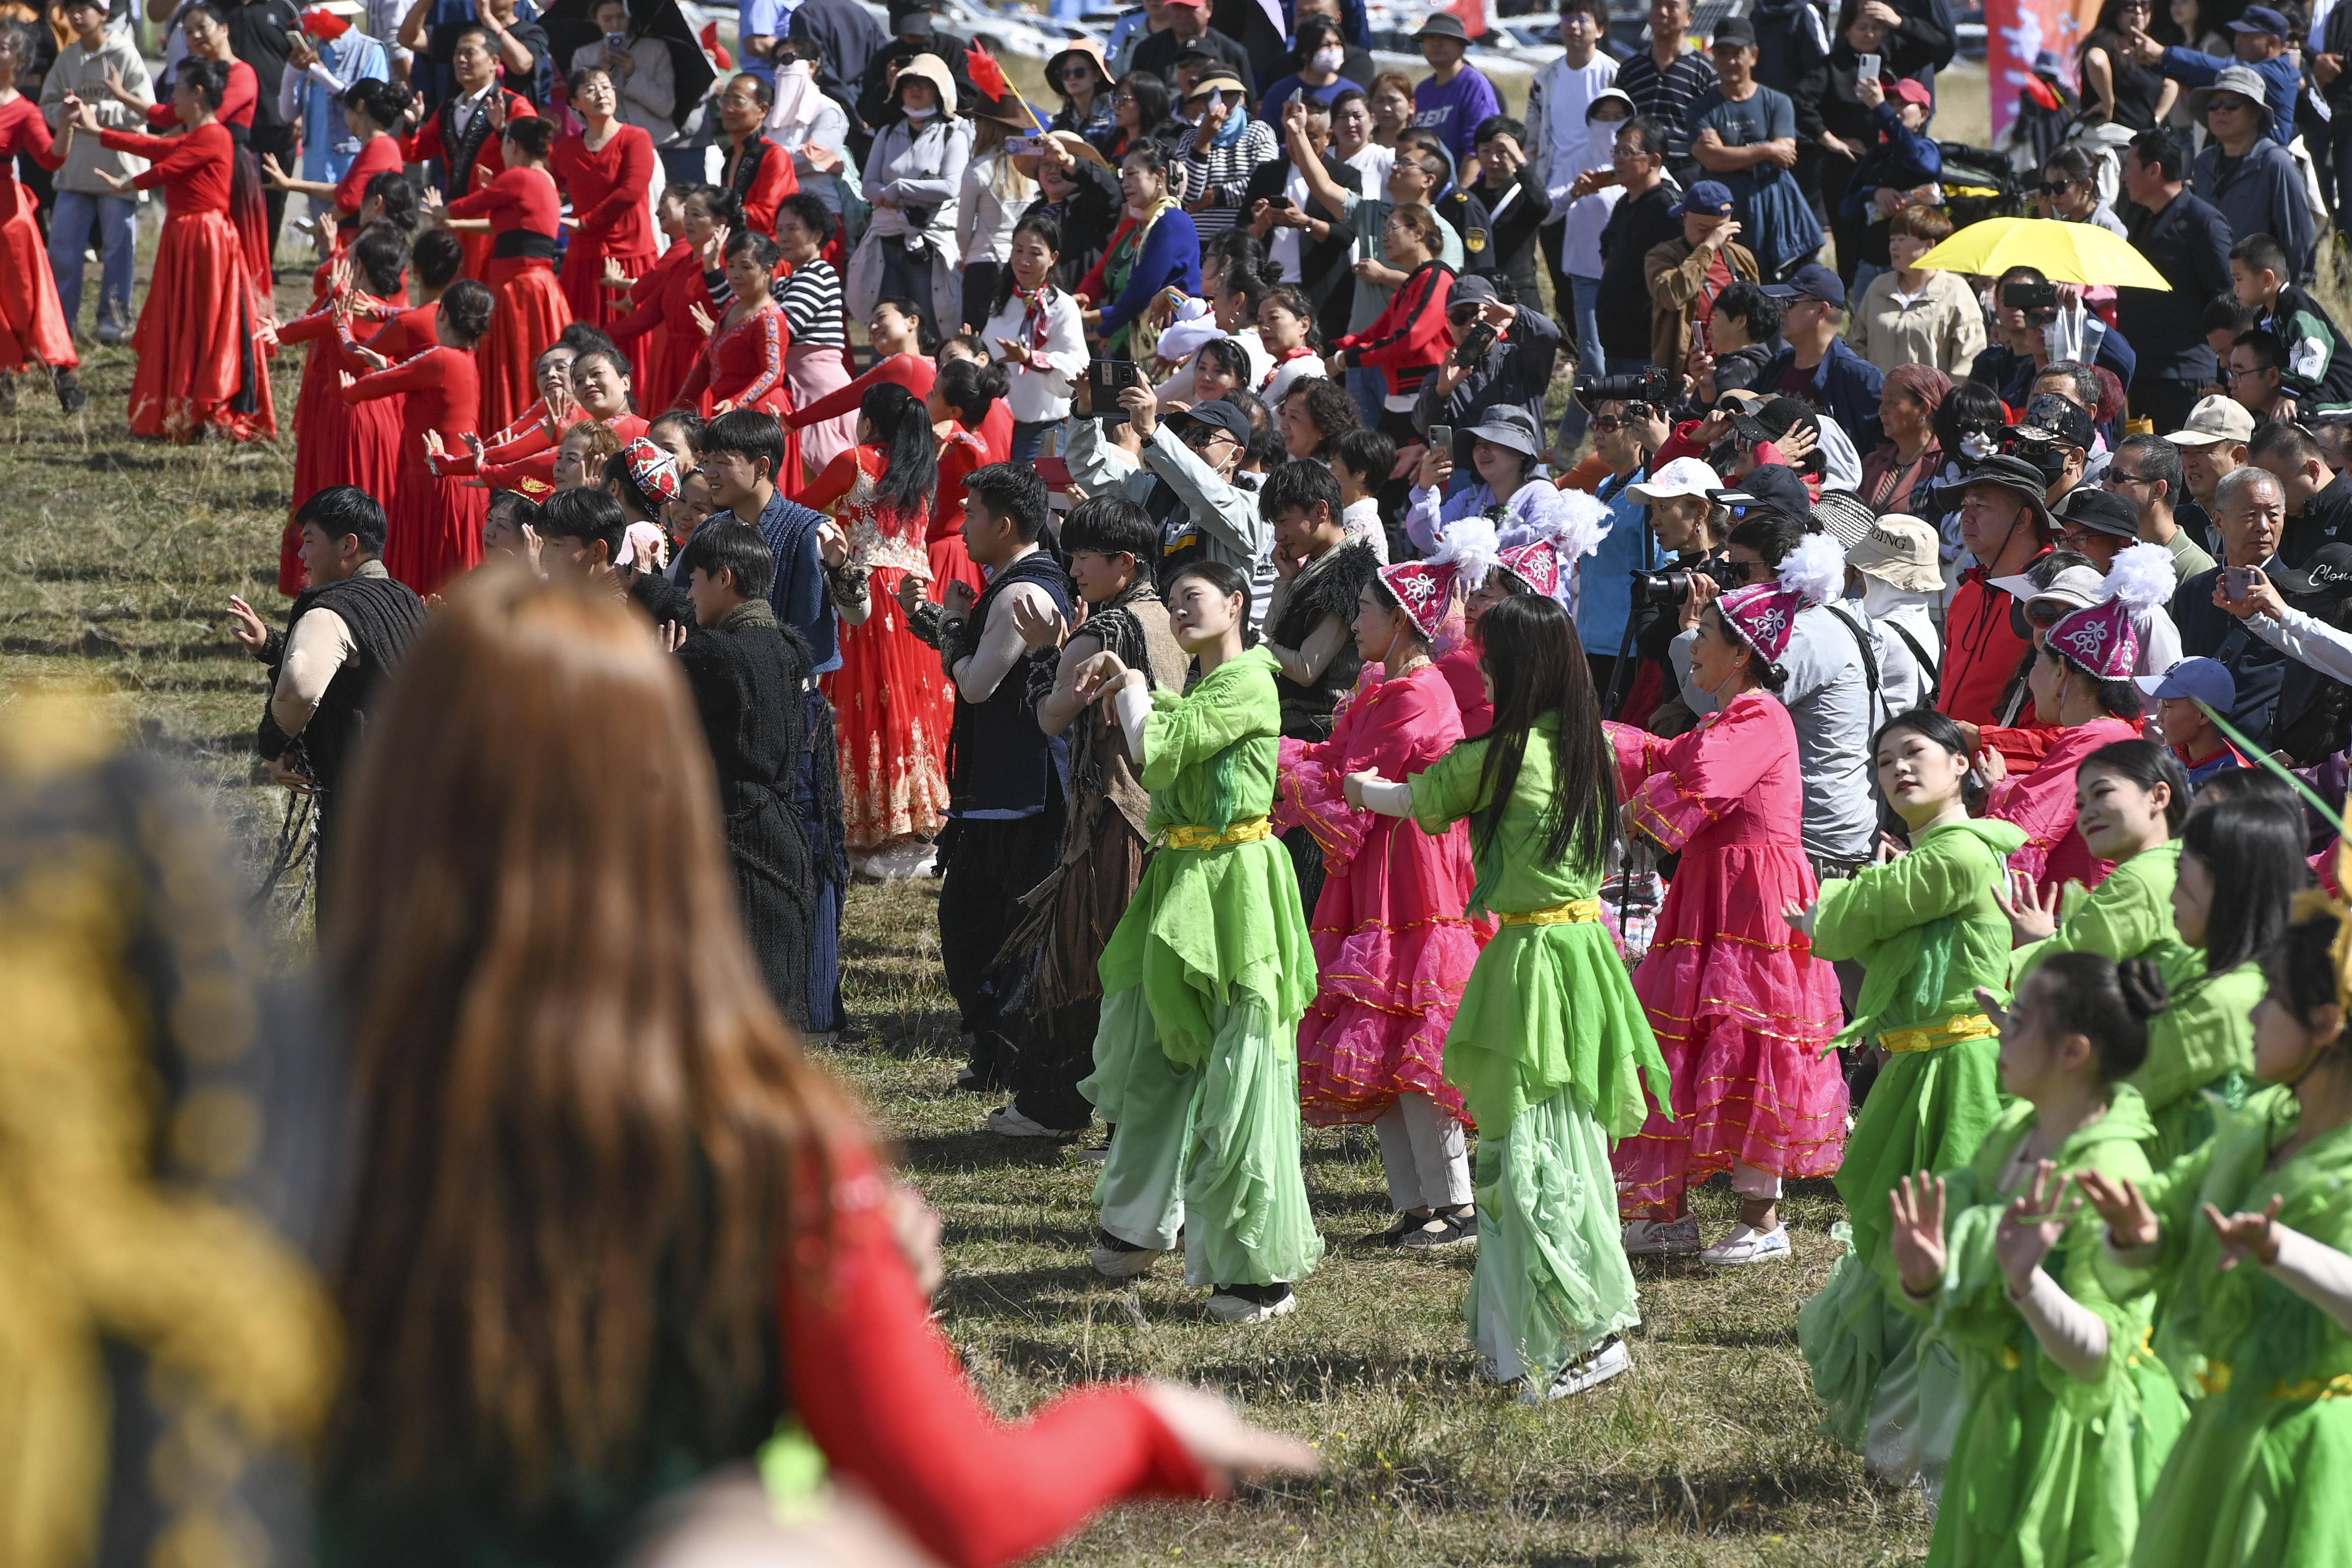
(2216, 420)
(1682, 476)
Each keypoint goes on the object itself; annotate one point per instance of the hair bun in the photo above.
(2144, 991)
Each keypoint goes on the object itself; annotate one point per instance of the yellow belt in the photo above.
(2215, 1379)
(1189, 837)
(1951, 1032)
(1583, 911)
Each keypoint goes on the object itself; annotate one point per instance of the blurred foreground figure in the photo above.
(162, 1346)
(610, 1228)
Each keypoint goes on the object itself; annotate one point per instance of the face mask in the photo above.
(1328, 59)
(1975, 448)
(1881, 600)
(1601, 135)
(919, 115)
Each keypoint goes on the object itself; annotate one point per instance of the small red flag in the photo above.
(985, 73)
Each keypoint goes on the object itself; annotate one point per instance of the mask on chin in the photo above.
(918, 115)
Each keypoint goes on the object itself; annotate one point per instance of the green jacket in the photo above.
(1926, 927)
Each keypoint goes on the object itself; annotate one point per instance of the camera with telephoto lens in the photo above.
(1666, 590)
(1654, 388)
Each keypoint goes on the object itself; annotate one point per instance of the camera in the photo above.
(1654, 388)
(2030, 296)
(1666, 590)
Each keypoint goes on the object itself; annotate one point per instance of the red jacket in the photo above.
(1409, 338)
(1982, 649)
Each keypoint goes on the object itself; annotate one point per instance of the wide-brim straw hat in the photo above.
(1070, 141)
(1092, 49)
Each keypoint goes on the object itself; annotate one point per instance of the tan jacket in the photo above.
(1676, 276)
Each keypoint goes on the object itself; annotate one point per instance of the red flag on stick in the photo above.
(985, 73)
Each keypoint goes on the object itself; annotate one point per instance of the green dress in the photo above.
(1551, 1051)
(2200, 1058)
(1928, 931)
(2129, 915)
(1196, 1061)
(2048, 1468)
(2258, 1477)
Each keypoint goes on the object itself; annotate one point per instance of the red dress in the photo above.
(437, 520)
(892, 706)
(963, 451)
(525, 215)
(660, 333)
(1391, 945)
(1459, 665)
(248, 206)
(760, 174)
(377, 155)
(612, 202)
(2043, 803)
(743, 366)
(335, 443)
(1743, 1012)
(527, 464)
(913, 372)
(472, 159)
(33, 328)
(195, 343)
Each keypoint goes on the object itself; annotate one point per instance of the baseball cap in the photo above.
(1771, 488)
(2261, 19)
(2216, 420)
(1470, 288)
(1708, 198)
(1910, 89)
(2326, 575)
(1901, 551)
(1682, 476)
(2091, 507)
(2054, 418)
(1734, 30)
(1218, 412)
(2207, 680)
(1812, 281)
(1510, 426)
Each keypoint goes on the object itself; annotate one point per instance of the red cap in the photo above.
(1910, 89)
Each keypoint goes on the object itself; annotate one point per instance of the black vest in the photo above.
(999, 761)
(384, 617)
(1328, 585)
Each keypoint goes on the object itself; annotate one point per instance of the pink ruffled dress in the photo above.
(2043, 803)
(1391, 945)
(1743, 1012)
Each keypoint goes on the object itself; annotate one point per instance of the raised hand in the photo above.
(2032, 1226)
(701, 317)
(2130, 1221)
(246, 625)
(832, 545)
(1798, 443)
(957, 599)
(1918, 1239)
(2248, 1236)
(2032, 913)
(1039, 628)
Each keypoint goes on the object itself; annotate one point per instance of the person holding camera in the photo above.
(2036, 324)
(1629, 425)
(1689, 527)
(1502, 359)
(1181, 471)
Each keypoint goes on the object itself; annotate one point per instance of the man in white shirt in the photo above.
(1560, 144)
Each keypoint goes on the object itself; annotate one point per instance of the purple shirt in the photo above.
(1456, 110)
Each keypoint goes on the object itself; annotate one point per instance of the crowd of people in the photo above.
(1891, 728)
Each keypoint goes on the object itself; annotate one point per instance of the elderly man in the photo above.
(2145, 471)
(2005, 525)
(2249, 507)
(2211, 444)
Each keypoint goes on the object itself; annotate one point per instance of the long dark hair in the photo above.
(1537, 662)
(902, 429)
(2252, 849)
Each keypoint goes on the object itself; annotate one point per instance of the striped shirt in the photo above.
(1223, 173)
(812, 300)
(1668, 94)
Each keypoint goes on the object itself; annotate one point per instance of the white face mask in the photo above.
(919, 115)
(1880, 599)
(1328, 59)
(1601, 136)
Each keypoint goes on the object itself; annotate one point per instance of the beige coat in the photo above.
(1942, 325)
(1677, 275)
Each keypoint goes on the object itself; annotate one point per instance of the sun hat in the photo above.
(1682, 476)
(1901, 551)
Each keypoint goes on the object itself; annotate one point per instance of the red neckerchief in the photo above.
(1282, 359)
(1033, 318)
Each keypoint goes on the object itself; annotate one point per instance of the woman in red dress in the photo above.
(436, 521)
(465, 135)
(892, 703)
(758, 173)
(373, 112)
(742, 365)
(197, 345)
(523, 214)
(661, 330)
(337, 443)
(975, 425)
(899, 360)
(33, 328)
(607, 170)
(600, 386)
(206, 28)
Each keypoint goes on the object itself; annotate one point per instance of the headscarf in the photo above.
(1929, 385)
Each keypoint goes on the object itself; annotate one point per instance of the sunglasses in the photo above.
(2056, 187)
(2226, 105)
(1606, 424)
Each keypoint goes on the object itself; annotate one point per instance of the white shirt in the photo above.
(1373, 161)
(1040, 389)
(1558, 139)
(1284, 247)
(1275, 385)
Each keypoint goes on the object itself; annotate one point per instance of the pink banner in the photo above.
(2018, 30)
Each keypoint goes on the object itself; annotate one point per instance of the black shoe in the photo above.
(1403, 1226)
(972, 1081)
(7, 392)
(70, 397)
(1440, 1231)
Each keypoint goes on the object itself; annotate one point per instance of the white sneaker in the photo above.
(1748, 1245)
(1661, 1238)
(1594, 1370)
(1231, 1309)
(1007, 1122)
(1119, 1263)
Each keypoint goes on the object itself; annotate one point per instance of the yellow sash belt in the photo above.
(1191, 837)
(1951, 1032)
(1583, 911)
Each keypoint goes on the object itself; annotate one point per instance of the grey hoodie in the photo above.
(77, 70)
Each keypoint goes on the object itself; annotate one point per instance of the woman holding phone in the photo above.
(1038, 334)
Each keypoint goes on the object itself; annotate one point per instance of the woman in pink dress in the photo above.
(607, 168)
(1743, 1012)
(892, 704)
(1392, 945)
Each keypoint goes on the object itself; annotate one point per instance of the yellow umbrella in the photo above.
(2061, 252)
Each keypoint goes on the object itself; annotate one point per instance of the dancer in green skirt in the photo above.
(2131, 800)
(1550, 1048)
(2245, 1240)
(2240, 866)
(2068, 1420)
(1928, 930)
(1196, 1061)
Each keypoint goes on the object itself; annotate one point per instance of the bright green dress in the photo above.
(2048, 1468)
(2258, 1478)
(1927, 931)
(1551, 1051)
(2129, 915)
(2200, 1058)
(1196, 1059)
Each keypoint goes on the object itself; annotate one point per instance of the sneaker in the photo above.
(1251, 1303)
(1748, 1245)
(1007, 1122)
(1439, 1232)
(70, 397)
(1662, 1238)
(1611, 1359)
(1115, 1259)
(109, 335)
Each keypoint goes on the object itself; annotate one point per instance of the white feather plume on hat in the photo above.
(1471, 545)
(1816, 569)
(2141, 577)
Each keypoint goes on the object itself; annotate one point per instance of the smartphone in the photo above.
(2029, 296)
(1440, 436)
(297, 39)
(1473, 345)
(1023, 146)
(617, 43)
(1106, 379)
(1865, 68)
(1279, 204)
(2238, 581)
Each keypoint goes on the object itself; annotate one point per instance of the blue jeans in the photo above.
(111, 224)
(1589, 353)
(1029, 438)
(1371, 390)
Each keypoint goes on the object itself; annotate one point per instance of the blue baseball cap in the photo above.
(1708, 198)
(2207, 680)
(2262, 19)
(1814, 281)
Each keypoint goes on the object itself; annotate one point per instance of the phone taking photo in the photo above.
(2238, 582)
(1866, 68)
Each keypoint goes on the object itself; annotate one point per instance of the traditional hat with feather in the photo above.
(1765, 615)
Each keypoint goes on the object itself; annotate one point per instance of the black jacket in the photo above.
(1157, 53)
(1087, 221)
(1513, 215)
(1515, 372)
(2189, 242)
(1637, 223)
(257, 32)
(1466, 211)
(2209, 632)
(841, 39)
(1330, 275)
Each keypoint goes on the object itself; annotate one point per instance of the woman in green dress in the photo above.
(2068, 1420)
(1550, 1048)
(2240, 866)
(1928, 930)
(2131, 800)
(1196, 1061)
(2245, 1238)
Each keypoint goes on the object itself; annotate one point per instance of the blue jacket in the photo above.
(1170, 254)
(2279, 75)
(1901, 158)
(1845, 387)
(2260, 194)
(1606, 601)
(328, 144)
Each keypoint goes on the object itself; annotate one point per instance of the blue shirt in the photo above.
(764, 19)
(799, 595)
(1605, 602)
(328, 144)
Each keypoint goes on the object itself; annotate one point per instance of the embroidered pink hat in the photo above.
(1535, 563)
(2103, 639)
(1764, 615)
(1425, 589)
(1573, 525)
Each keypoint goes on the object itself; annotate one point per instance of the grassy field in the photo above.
(119, 557)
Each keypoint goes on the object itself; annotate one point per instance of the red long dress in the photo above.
(660, 334)
(527, 464)
(33, 328)
(892, 706)
(760, 174)
(194, 346)
(377, 155)
(249, 204)
(525, 215)
(611, 201)
(335, 443)
(743, 366)
(437, 520)
(963, 451)
(471, 160)
(1743, 1012)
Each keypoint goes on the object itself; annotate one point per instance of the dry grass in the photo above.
(119, 556)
